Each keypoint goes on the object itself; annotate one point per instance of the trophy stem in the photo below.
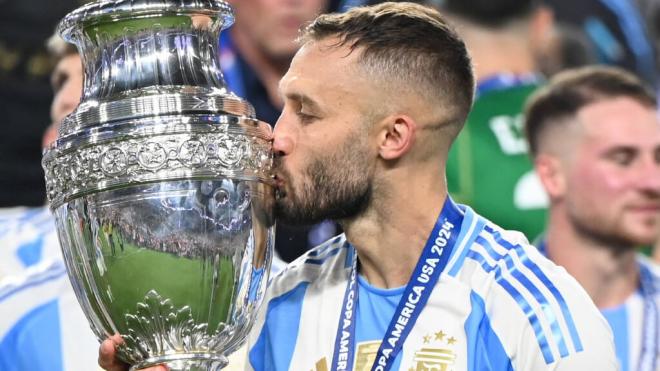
(185, 362)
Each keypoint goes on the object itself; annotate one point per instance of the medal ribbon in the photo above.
(648, 355)
(430, 265)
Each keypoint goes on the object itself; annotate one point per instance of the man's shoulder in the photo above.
(293, 295)
(42, 322)
(525, 294)
(323, 264)
(23, 293)
(504, 260)
(27, 236)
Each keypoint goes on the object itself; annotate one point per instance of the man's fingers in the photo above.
(108, 358)
(117, 339)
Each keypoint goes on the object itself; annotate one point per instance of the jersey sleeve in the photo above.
(589, 343)
(541, 316)
(597, 348)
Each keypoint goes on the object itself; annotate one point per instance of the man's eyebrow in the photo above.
(616, 149)
(305, 100)
(621, 148)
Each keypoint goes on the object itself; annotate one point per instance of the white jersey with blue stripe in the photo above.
(499, 305)
(42, 327)
(627, 322)
(27, 236)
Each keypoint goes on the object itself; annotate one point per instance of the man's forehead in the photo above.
(624, 129)
(608, 106)
(327, 54)
(319, 64)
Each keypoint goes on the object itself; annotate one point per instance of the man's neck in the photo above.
(609, 273)
(498, 52)
(268, 70)
(390, 237)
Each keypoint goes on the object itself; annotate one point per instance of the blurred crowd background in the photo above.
(515, 44)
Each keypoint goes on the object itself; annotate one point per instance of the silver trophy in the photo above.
(160, 184)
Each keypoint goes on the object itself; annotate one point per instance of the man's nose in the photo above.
(648, 177)
(283, 137)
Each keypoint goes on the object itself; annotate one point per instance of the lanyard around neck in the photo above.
(649, 354)
(433, 260)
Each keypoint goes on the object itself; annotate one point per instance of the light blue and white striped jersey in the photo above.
(498, 305)
(27, 236)
(42, 327)
(628, 322)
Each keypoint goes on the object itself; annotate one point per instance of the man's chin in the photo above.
(642, 231)
(643, 238)
(633, 237)
(289, 214)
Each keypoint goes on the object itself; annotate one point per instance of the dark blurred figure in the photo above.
(567, 48)
(617, 29)
(25, 95)
(255, 54)
(654, 29)
(488, 167)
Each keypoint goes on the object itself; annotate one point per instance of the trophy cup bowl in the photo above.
(160, 185)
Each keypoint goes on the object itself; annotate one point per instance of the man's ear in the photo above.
(396, 136)
(552, 175)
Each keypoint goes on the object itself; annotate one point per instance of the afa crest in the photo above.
(436, 354)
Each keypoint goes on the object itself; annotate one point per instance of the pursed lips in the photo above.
(650, 208)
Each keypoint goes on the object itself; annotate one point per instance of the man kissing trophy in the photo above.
(160, 184)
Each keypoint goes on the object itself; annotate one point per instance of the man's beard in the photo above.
(617, 241)
(335, 187)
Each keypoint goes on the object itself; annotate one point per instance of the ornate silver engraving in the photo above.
(230, 151)
(113, 161)
(193, 152)
(152, 156)
(102, 165)
(158, 328)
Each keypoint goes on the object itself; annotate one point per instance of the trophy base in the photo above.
(185, 362)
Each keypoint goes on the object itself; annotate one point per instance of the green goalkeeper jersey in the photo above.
(489, 167)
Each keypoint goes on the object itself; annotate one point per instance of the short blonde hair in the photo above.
(58, 48)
